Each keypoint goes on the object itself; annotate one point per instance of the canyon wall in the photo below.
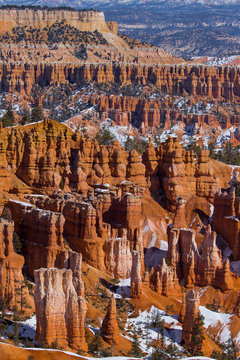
(226, 218)
(213, 82)
(39, 18)
(11, 264)
(48, 155)
(60, 310)
(197, 266)
(87, 225)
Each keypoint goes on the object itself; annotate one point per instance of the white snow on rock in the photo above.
(145, 229)
(28, 328)
(124, 282)
(164, 245)
(144, 322)
(153, 241)
(21, 202)
(213, 319)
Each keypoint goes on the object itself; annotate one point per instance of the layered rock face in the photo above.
(103, 226)
(136, 278)
(199, 266)
(226, 219)
(191, 314)
(180, 79)
(109, 329)
(164, 280)
(181, 176)
(148, 114)
(60, 310)
(179, 218)
(39, 18)
(42, 232)
(48, 155)
(11, 264)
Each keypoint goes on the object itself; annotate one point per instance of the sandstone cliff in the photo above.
(17, 76)
(60, 310)
(191, 313)
(11, 264)
(109, 329)
(48, 154)
(39, 18)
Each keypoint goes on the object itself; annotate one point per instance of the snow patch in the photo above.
(214, 319)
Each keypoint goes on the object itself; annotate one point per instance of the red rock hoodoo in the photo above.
(109, 329)
(60, 309)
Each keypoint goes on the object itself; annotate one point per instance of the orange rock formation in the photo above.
(136, 278)
(178, 79)
(109, 329)
(11, 265)
(60, 309)
(198, 266)
(191, 313)
(39, 18)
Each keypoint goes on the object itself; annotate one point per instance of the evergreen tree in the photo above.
(217, 355)
(104, 137)
(194, 147)
(212, 153)
(137, 143)
(26, 117)
(8, 118)
(159, 324)
(95, 346)
(16, 327)
(21, 299)
(3, 308)
(230, 350)
(229, 154)
(135, 349)
(172, 351)
(37, 114)
(195, 345)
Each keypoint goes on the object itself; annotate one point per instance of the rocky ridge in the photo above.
(75, 199)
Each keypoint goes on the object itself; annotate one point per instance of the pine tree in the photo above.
(104, 137)
(195, 345)
(20, 292)
(26, 117)
(137, 143)
(214, 306)
(8, 118)
(37, 114)
(172, 351)
(159, 323)
(16, 327)
(217, 355)
(95, 346)
(3, 308)
(230, 350)
(135, 349)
